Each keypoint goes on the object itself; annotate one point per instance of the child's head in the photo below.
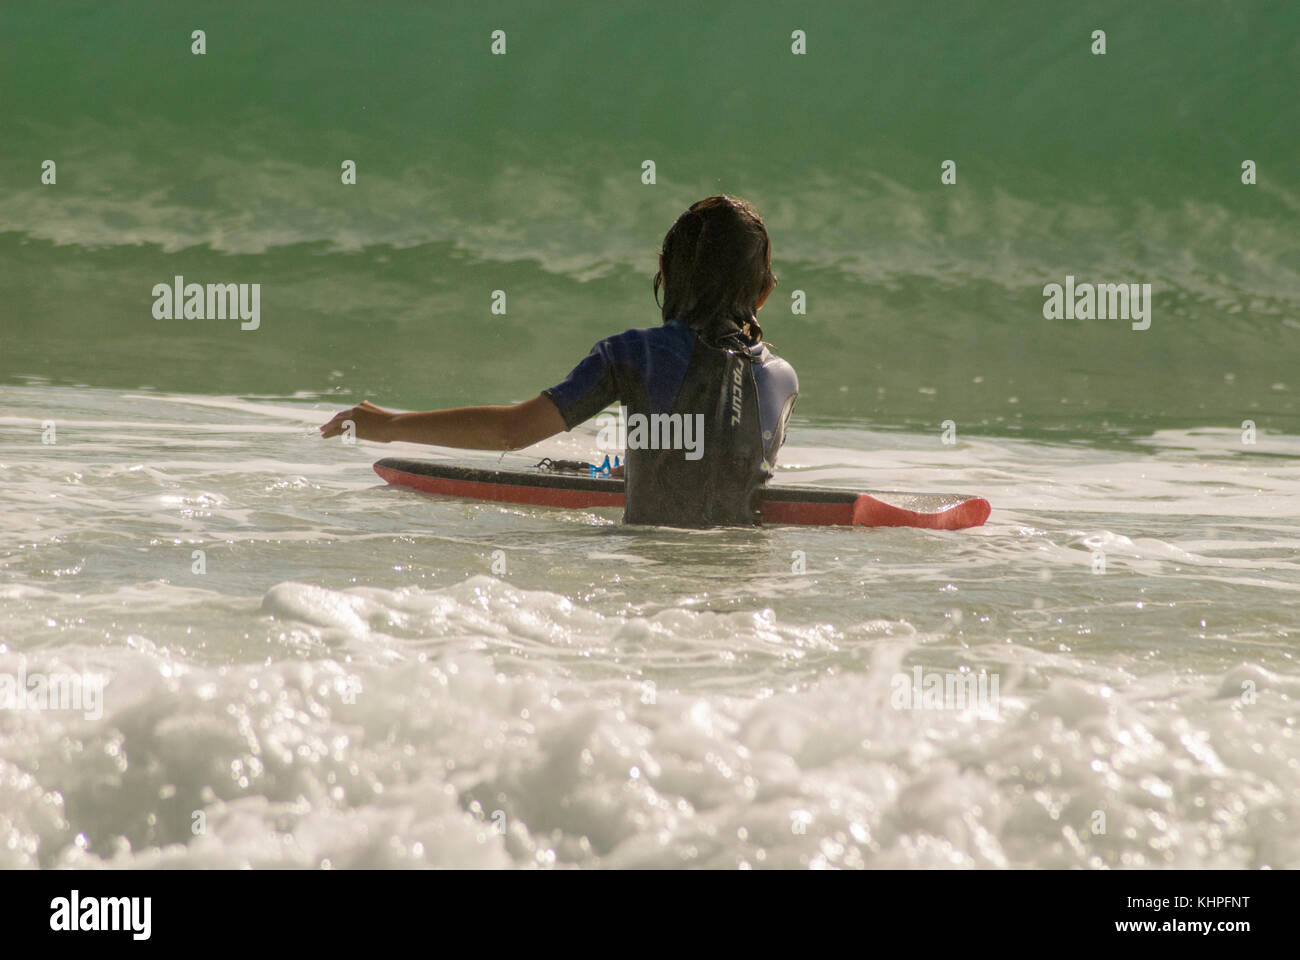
(715, 266)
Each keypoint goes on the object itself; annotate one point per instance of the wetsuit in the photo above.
(743, 395)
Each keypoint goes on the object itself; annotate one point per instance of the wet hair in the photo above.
(716, 266)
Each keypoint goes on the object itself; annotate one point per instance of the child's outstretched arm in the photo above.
(473, 428)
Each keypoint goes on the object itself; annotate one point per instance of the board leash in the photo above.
(547, 465)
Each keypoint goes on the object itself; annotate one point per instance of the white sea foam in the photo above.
(350, 683)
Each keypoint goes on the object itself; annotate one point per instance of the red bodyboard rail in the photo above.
(811, 506)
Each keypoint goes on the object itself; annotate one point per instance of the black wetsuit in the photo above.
(740, 396)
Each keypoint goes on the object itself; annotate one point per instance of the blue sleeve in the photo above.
(588, 389)
(778, 388)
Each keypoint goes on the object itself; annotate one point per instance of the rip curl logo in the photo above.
(74, 913)
(214, 301)
(658, 431)
(737, 394)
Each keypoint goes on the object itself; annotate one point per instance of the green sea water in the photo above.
(522, 173)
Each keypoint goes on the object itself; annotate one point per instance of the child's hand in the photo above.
(369, 422)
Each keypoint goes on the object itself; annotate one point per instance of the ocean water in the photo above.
(303, 667)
